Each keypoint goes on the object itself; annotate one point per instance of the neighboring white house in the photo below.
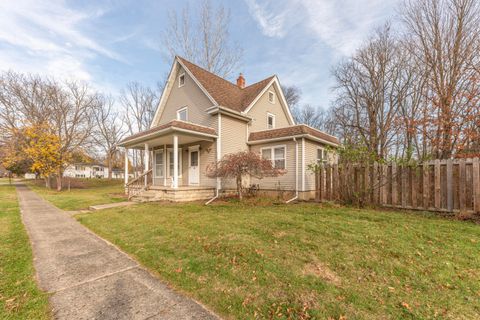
(87, 170)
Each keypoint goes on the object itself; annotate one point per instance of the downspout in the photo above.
(296, 172)
(219, 156)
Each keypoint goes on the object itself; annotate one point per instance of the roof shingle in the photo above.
(224, 92)
(300, 129)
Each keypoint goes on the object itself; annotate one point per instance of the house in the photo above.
(86, 170)
(201, 117)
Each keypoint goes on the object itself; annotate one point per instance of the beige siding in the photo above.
(287, 181)
(311, 148)
(191, 96)
(233, 135)
(262, 107)
(233, 139)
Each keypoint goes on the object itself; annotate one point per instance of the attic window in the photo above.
(181, 80)
(271, 97)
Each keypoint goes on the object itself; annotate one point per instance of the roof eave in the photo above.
(163, 132)
(297, 136)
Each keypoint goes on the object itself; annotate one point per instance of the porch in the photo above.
(175, 158)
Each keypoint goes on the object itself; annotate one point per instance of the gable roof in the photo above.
(297, 130)
(224, 92)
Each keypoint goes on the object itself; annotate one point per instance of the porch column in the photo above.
(126, 167)
(146, 161)
(175, 161)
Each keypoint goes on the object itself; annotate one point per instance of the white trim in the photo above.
(186, 112)
(126, 166)
(184, 79)
(303, 164)
(324, 159)
(166, 130)
(197, 82)
(225, 110)
(273, 97)
(190, 149)
(219, 147)
(273, 122)
(282, 98)
(308, 136)
(272, 153)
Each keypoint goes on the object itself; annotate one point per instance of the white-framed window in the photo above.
(182, 114)
(322, 156)
(181, 80)
(270, 121)
(277, 154)
(159, 163)
(170, 162)
(271, 97)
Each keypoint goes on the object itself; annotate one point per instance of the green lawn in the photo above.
(304, 261)
(19, 296)
(83, 193)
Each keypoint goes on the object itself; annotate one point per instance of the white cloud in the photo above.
(341, 25)
(46, 37)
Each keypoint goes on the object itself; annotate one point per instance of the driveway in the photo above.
(88, 277)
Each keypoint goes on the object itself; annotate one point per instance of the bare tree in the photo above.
(108, 130)
(369, 89)
(292, 96)
(445, 37)
(203, 37)
(139, 104)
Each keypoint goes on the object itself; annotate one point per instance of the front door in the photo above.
(194, 165)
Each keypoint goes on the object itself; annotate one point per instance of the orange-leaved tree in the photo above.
(241, 164)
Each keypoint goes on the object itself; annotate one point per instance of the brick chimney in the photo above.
(241, 81)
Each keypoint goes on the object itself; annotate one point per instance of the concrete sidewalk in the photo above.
(90, 278)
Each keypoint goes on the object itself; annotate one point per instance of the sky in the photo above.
(111, 43)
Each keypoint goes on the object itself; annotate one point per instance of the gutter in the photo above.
(308, 136)
(296, 172)
(164, 131)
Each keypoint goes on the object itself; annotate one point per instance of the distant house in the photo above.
(202, 117)
(86, 170)
(117, 173)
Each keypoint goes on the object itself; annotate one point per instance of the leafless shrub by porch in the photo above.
(241, 164)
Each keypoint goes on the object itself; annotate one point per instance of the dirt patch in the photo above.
(321, 271)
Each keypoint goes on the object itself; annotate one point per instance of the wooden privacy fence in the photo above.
(439, 185)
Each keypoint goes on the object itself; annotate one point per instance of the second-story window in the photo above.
(181, 80)
(182, 114)
(270, 121)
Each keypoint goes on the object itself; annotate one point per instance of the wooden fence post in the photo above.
(436, 175)
(450, 185)
(426, 184)
(462, 184)
(403, 171)
(394, 184)
(335, 182)
(476, 184)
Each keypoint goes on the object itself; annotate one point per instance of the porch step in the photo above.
(179, 195)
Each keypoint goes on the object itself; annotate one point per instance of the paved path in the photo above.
(90, 278)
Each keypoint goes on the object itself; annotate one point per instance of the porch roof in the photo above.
(175, 126)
